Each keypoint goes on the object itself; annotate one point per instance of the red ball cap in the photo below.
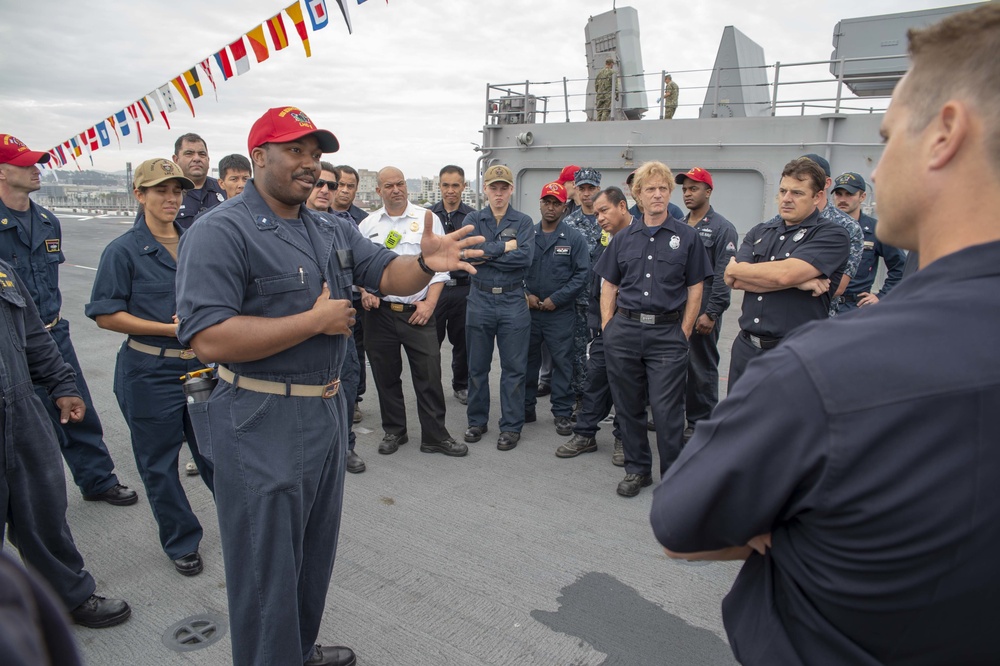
(568, 174)
(287, 123)
(556, 190)
(12, 151)
(696, 173)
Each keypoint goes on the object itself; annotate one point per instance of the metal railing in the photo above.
(572, 99)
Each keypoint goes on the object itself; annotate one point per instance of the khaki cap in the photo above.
(498, 173)
(154, 172)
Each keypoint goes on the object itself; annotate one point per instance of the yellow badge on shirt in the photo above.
(414, 226)
(392, 240)
(605, 238)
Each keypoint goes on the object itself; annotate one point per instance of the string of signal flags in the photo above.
(231, 60)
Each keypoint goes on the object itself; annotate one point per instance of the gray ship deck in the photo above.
(496, 558)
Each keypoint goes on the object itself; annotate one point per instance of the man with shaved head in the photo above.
(405, 321)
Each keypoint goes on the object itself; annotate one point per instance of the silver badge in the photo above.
(675, 242)
(799, 236)
(221, 198)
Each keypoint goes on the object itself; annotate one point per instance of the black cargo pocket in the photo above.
(201, 424)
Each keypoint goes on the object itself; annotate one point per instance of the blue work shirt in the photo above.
(719, 237)
(822, 244)
(879, 494)
(198, 201)
(654, 266)
(241, 259)
(35, 253)
(594, 297)
(136, 275)
(452, 222)
(894, 258)
(499, 268)
(559, 265)
(354, 214)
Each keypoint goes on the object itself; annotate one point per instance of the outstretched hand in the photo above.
(449, 252)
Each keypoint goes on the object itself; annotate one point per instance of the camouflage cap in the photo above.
(587, 176)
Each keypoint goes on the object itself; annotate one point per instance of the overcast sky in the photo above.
(407, 88)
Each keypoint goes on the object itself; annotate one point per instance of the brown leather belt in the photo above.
(162, 352)
(279, 388)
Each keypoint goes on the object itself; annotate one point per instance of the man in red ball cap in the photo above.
(264, 290)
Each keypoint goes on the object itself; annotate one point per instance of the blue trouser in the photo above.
(743, 353)
(581, 338)
(597, 401)
(151, 396)
(358, 338)
(350, 375)
(555, 330)
(503, 317)
(647, 359)
(33, 491)
(82, 443)
(703, 375)
(845, 304)
(449, 316)
(279, 482)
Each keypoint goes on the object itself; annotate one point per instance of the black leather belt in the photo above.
(851, 298)
(499, 289)
(648, 318)
(457, 282)
(402, 307)
(761, 342)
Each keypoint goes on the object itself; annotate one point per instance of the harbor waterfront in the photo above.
(496, 558)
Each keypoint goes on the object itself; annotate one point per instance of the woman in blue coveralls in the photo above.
(134, 294)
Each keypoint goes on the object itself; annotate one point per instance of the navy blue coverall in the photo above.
(279, 460)
(136, 275)
(32, 484)
(559, 269)
(498, 310)
(719, 237)
(894, 258)
(32, 245)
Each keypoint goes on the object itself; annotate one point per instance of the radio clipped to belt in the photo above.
(198, 385)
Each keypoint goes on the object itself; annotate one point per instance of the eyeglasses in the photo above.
(332, 184)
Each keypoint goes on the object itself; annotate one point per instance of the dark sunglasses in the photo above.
(332, 184)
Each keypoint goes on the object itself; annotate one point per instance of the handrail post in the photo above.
(566, 98)
(774, 94)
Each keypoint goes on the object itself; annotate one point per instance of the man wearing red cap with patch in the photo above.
(31, 242)
(719, 237)
(264, 290)
(558, 274)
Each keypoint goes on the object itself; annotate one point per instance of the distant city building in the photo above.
(430, 192)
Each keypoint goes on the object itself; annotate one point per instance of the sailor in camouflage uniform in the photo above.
(584, 220)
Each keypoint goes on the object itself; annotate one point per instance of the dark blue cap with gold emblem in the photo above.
(850, 182)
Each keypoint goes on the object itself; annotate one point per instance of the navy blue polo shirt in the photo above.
(880, 495)
(559, 266)
(242, 259)
(452, 222)
(654, 266)
(822, 244)
(136, 275)
(894, 258)
(35, 251)
(198, 201)
(499, 268)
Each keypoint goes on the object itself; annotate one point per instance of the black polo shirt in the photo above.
(822, 244)
(654, 266)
